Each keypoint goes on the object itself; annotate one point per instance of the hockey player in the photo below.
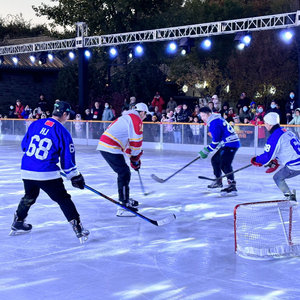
(124, 135)
(282, 147)
(222, 135)
(45, 143)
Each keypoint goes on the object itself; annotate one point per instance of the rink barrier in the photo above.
(171, 136)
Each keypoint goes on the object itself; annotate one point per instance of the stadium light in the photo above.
(50, 56)
(71, 55)
(186, 44)
(287, 35)
(206, 44)
(172, 48)
(87, 53)
(113, 52)
(32, 58)
(15, 59)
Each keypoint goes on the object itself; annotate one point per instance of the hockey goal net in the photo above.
(267, 230)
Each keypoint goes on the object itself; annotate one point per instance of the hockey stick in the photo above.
(164, 180)
(162, 222)
(214, 179)
(142, 186)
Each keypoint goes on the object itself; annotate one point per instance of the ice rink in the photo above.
(129, 258)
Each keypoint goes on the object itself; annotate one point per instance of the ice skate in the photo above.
(132, 204)
(217, 184)
(19, 227)
(230, 190)
(80, 232)
(291, 196)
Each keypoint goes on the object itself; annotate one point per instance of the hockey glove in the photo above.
(137, 157)
(78, 181)
(135, 161)
(135, 165)
(273, 166)
(204, 153)
(254, 163)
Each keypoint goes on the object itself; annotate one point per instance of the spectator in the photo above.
(177, 127)
(11, 112)
(224, 109)
(157, 113)
(196, 112)
(244, 101)
(195, 127)
(171, 105)
(245, 113)
(42, 103)
(275, 108)
(290, 107)
(168, 128)
(26, 112)
(132, 102)
(253, 108)
(260, 112)
(96, 112)
(296, 121)
(187, 118)
(88, 115)
(107, 115)
(211, 105)
(158, 101)
(19, 109)
(114, 112)
(230, 115)
(48, 113)
(79, 126)
(216, 101)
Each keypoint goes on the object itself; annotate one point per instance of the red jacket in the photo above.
(158, 102)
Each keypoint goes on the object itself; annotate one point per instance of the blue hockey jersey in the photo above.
(283, 145)
(222, 132)
(46, 143)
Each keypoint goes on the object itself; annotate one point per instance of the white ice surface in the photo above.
(129, 258)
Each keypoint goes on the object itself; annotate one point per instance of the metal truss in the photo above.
(278, 21)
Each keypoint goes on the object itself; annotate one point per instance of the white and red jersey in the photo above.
(125, 134)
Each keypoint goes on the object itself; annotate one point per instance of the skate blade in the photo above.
(126, 216)
(232, 194)
(18, 232)
(83, 239)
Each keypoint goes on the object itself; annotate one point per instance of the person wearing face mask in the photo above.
(245, 113)
(11, 112)
(275, 108)
(260, 112)
(107, 115)
(290, 107)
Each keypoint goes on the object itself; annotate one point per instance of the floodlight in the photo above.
(15, 59)
(32, 58)
(186, 44)
(206, 44)
(87, 53)
(50, 56)
(113, 52)
(71, 55)
(171, 48)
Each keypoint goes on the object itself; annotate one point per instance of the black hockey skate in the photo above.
(80, 232)
(230, 190)
(132, 205)
(19, 227)
(291, 196)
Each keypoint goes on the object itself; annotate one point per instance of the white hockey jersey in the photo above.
(283, 145)
(125, 134)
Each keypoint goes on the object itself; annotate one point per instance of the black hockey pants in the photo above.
(118, 164)
(222, 161)
(55, 190)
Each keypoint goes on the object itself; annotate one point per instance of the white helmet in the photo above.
(142, 107)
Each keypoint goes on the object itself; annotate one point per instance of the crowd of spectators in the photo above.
(170, 114)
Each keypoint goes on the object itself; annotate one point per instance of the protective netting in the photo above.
(267, 230)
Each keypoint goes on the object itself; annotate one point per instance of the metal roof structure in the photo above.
(269, 22)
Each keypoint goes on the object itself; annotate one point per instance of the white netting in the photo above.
(267, 230)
